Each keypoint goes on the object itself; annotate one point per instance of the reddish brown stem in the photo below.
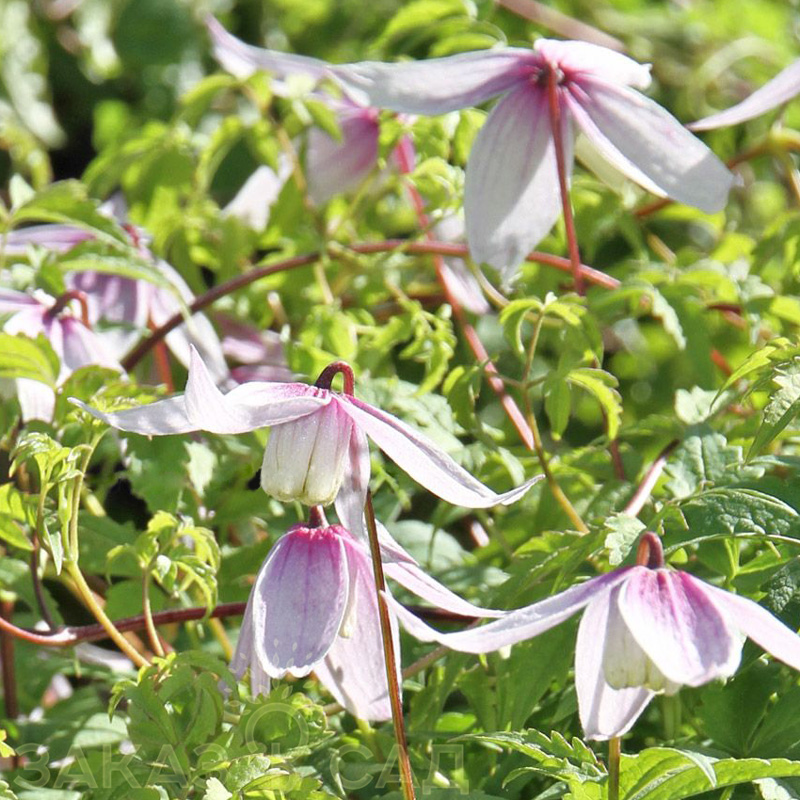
(561, 165)
(9, 669)
(162, 361)
(427, 248)
(642, 493)
(650, 552)
(470, 334)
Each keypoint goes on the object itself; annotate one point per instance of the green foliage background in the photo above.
(699, 344)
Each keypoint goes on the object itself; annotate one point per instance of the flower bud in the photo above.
(305, 459)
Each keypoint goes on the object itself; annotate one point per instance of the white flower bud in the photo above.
(305, 460)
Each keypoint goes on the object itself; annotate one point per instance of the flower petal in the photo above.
(354, 671)
(575, 58)
(300, 598)
(517, 625)
(154, 419)
(242, 60)
(349, 503)
(36, 399)
(246, 407)
(58, 238)
(12, 301)
(679, 627)
(650, 138)
(763, 628)
(437, 85)
(253, 202)
(605, 712)
(334, 167)
(511, 195)
(424, 461)
(783, 87)
(83, 347)
(245, 655)
(401, 567)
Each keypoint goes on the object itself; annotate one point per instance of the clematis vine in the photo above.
(512, 194)
(317, 451)
(783, 87)
(313, 606)
(645, 630)
(68, 331)
(332, 166)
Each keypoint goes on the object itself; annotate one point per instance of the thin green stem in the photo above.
(538, 446)
(390, 657)
(73, 570)
(150, 627)
(614, 752)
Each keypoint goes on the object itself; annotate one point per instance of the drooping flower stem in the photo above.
(650, 552)
(65, 299)
(406, 776)
(162, 361)
(561, 165)
(326, 379)
(614, 750)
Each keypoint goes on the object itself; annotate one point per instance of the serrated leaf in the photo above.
(623, 532)
(781, 409)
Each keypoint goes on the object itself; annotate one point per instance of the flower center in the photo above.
(542, 76)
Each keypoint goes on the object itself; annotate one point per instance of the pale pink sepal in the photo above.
(425, 462)
(301, 595)
(605, 712)
(782, 88)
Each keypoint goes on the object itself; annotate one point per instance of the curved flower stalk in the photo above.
(512, 188)
(317, 450)
(645, 630)
(313, 606)
(783, 87)
(128, 305)
(70, 336)
(332, 166)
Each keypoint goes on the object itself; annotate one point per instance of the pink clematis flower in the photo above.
(313, 606)
(512, 189)
(645, 630)
(332, 166)
(119, 309)
(70, 336)
(782, 88)
(317, 450)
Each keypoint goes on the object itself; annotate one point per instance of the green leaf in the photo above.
(602, 386)
(782, 407)
(623, 532)
(23, 357)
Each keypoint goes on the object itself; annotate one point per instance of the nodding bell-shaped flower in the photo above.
(313, 606)
(318, 440)
(645, 630)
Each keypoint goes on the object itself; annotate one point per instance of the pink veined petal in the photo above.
(650, 138)
(424, 461)
(764, 628)
(349, 503)
(598, 154)
(245, 655)
(36, 400)
(334, 167)
(83, 347)
(437, 85)
(253, 202)
(783, 87)
(400, 566)
(605, 712)
(58, 238)
(242, 60)
(354, 670)
(112, 298)
(300, 598)
(511, 195)
(12, 301)
(576, 58)
(679, 627)
(247, 407)
(515, 626)
(161, 418)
